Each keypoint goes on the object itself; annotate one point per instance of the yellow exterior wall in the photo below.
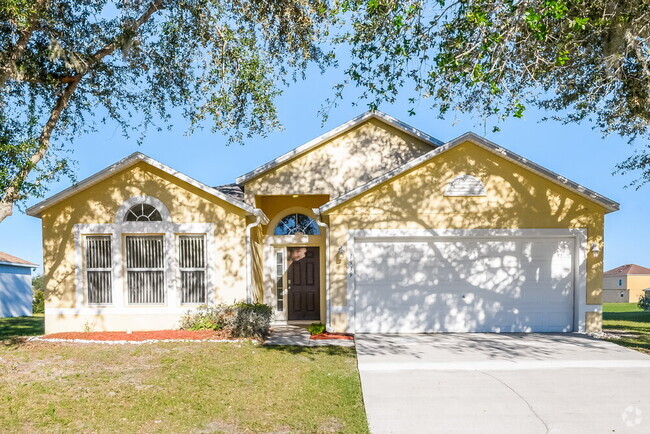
(276, 206)
(99, 204)
(636, 284)
(340, 164)
(516, 199)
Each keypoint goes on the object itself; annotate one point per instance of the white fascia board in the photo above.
(591, 195)
(14, 264)
(395, 123)
(125, 163)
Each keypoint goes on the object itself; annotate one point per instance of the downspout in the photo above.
(259, 215)
(319, 222)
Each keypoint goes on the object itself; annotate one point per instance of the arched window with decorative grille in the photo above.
(143, 212)
(296, 224)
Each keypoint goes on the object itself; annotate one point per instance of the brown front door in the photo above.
(303, 283)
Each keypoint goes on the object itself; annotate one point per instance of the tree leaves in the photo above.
(579, 60)
(221, 63)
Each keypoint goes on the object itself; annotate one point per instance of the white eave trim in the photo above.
(395, 123)
(14, 264)
(125, 163)
(591, 195)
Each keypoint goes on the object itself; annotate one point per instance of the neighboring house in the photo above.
(372, 227)
(15, 286)
(625, 284)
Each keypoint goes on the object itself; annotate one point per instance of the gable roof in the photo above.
(591, 195)
(7, 259)
(125, 163)
(300, 150)
(624, 270)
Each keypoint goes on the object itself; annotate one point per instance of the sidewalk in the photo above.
(297, 335)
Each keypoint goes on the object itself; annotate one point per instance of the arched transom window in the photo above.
(143, 212)
(297, 224)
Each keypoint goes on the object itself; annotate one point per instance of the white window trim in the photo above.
(163, 269)
(118, 231)
(120, 215)
(86, 269)
(580, 306)
(204, 269)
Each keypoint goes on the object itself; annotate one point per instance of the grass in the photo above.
(179, 387)
(22, 326)
(627, 320)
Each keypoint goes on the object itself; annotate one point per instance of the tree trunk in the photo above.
(6, 209)
(14, 193)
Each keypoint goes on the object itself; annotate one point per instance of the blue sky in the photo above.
(574, 151)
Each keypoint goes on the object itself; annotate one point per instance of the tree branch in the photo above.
(21, 44)
(12, 194)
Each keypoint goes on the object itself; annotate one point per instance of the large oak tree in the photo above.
(578, 60)
(66, 66)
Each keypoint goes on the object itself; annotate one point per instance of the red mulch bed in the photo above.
(197, 335)
(341, 336)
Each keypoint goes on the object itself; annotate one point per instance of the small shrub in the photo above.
(316, 328)
(245, 320)
(644, 302)
(250, 320)
(38, 294)
(204, 318)
(38, 301)
(88, 327)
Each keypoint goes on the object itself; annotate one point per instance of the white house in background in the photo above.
(15, 286)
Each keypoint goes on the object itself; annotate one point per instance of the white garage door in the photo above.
(464, 285)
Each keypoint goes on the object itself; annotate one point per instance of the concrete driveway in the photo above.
(502, 383)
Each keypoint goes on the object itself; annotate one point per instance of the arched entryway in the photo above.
(294, 282)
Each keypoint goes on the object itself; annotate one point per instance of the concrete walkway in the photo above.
(298, 335)
(502, 383)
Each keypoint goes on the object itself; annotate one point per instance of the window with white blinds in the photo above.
(99, 267)
(192, 264)
(145, 273)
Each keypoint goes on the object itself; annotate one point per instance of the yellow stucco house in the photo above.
(625, 284)
(374, 226)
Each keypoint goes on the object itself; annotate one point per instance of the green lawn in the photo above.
(179, 387)
(627, 320)
(22, 326)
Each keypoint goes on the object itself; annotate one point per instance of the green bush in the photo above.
(38, 294)
(245, 320)
(38, 301)
(250, 320)
(316, 328)
(644, 303)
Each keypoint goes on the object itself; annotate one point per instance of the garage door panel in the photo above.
(464, 285)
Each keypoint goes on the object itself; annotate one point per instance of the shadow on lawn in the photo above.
(21, 326)
(633, 327)
(306, 351)
(636, 316)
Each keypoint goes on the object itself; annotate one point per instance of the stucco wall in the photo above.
(516, 199)
(341, 164)
(636, 284)
(99, 204)
(15, 291)
(616, 296)
(612, 282)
